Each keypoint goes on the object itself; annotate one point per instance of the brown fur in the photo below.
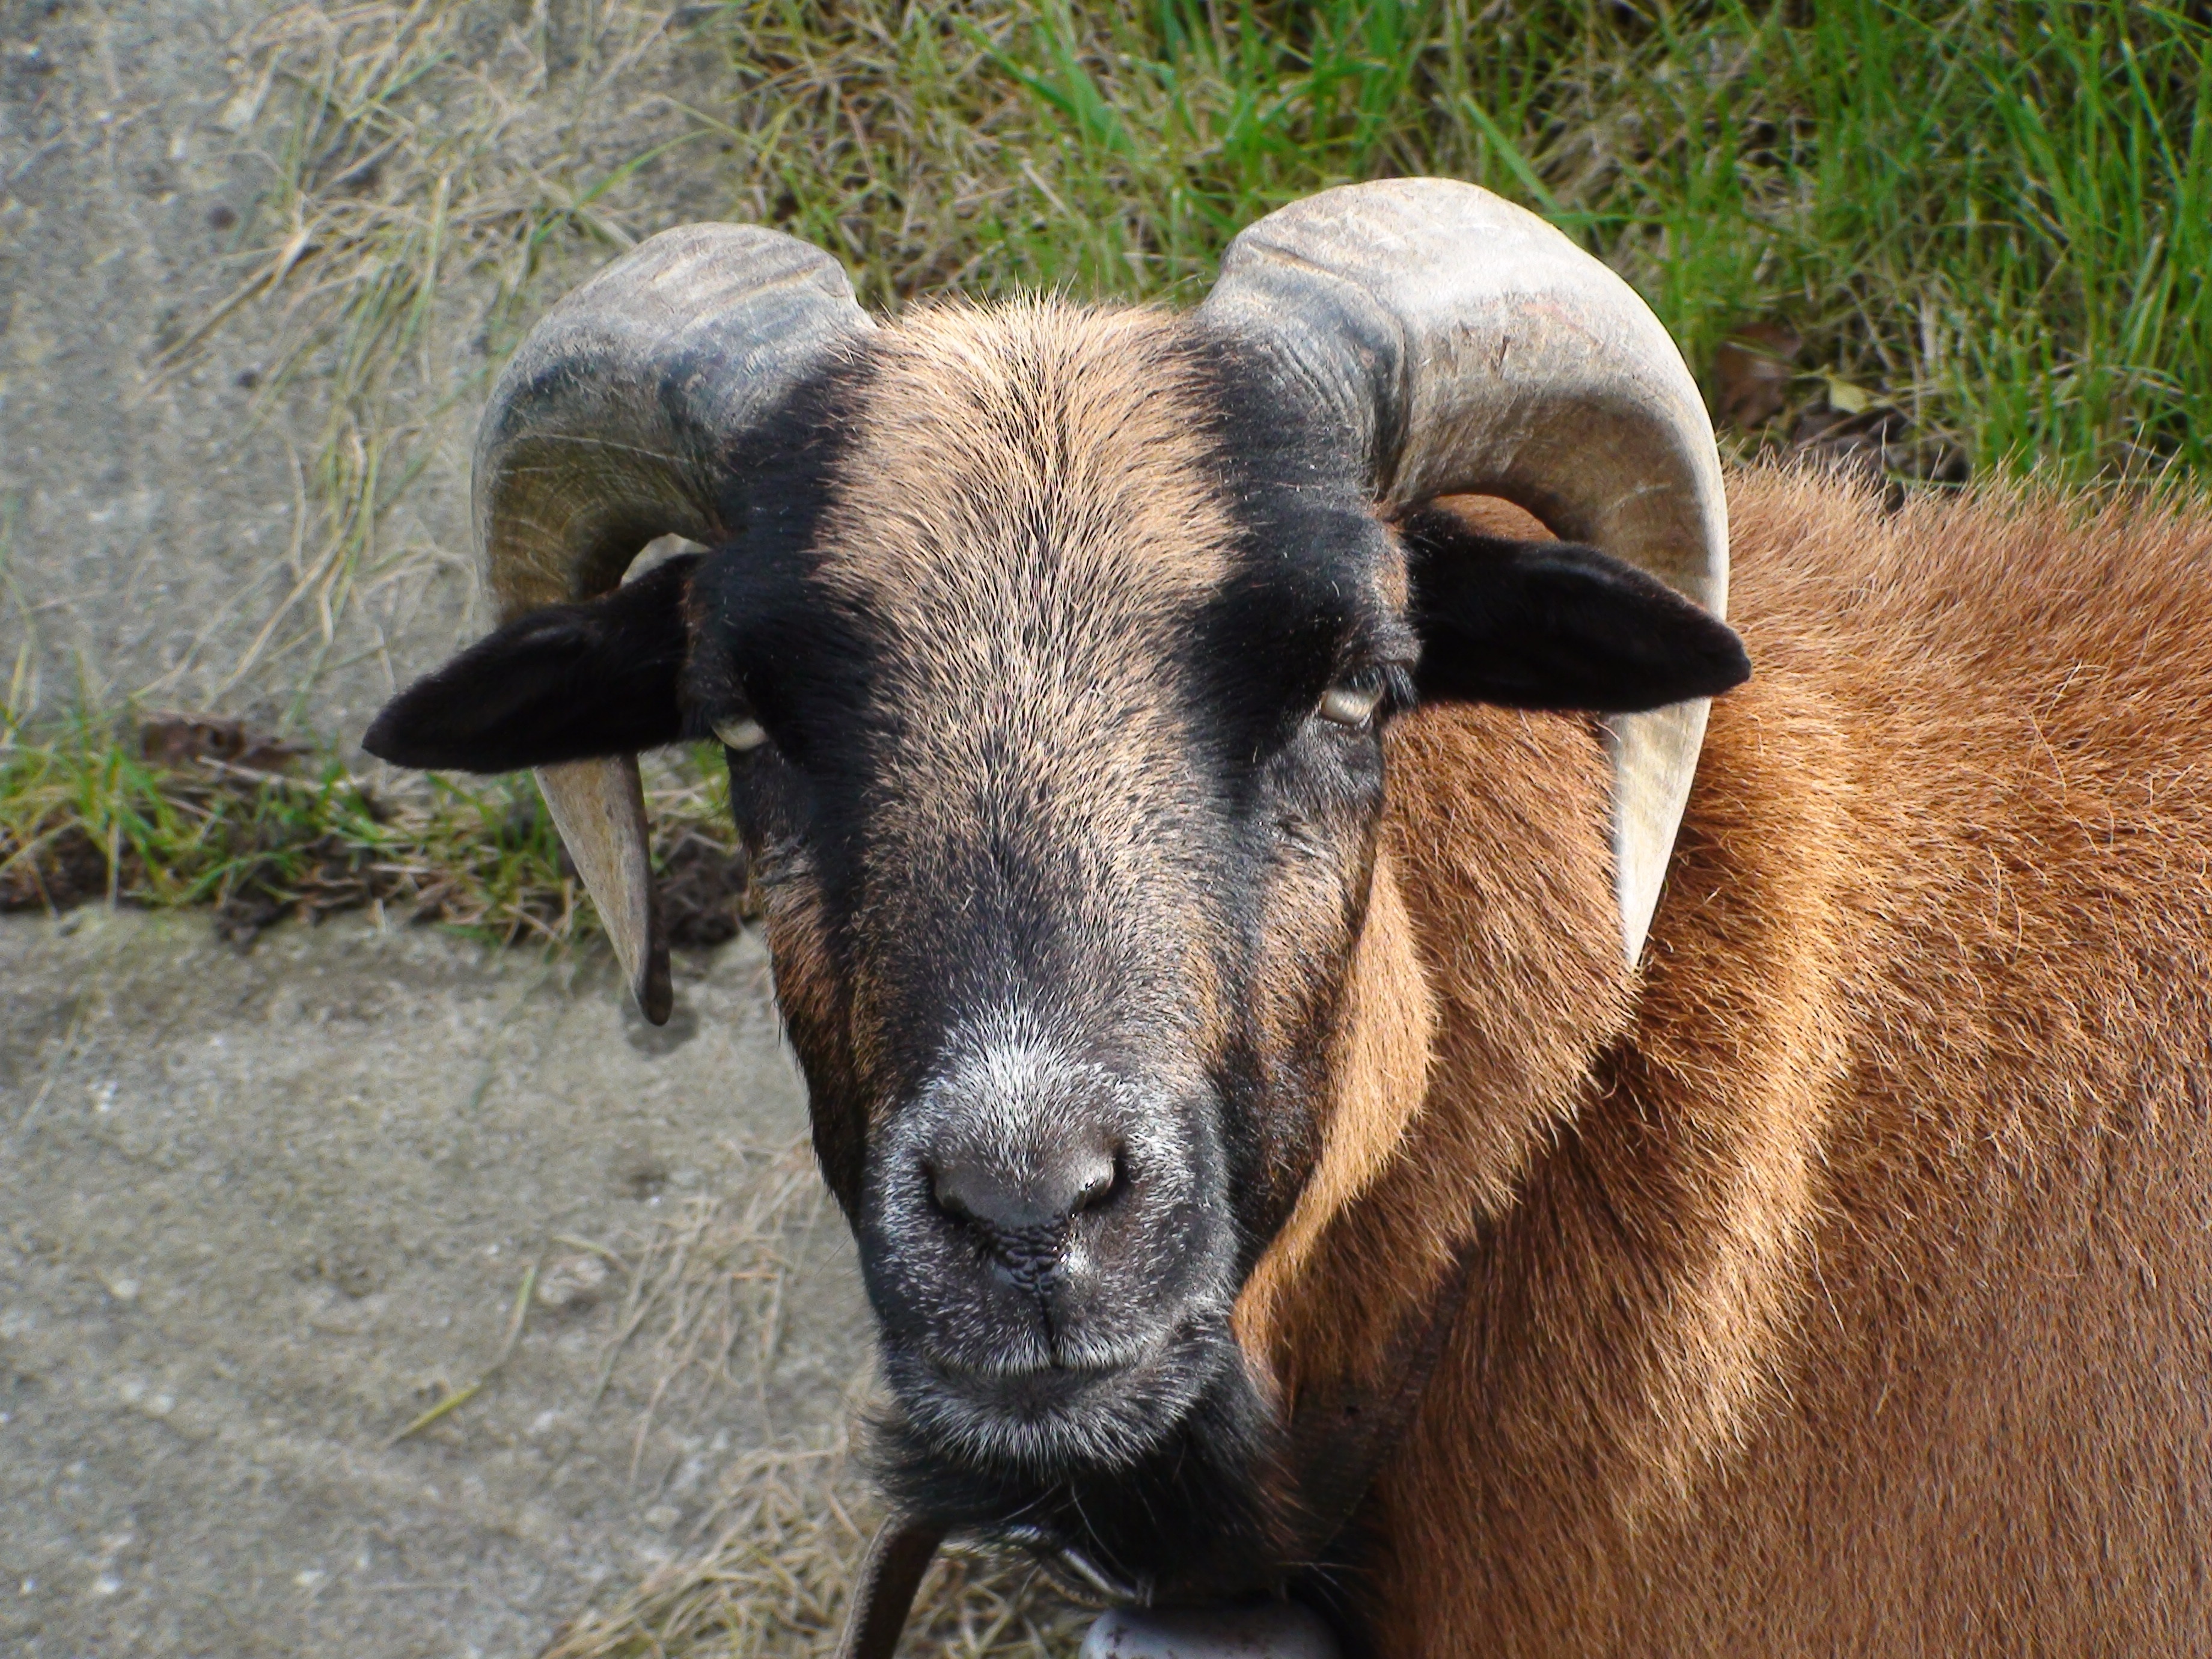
(1848, 1279)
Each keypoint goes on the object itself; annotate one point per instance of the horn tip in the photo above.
(656, 995)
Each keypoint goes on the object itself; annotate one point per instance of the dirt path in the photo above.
(259, 1212)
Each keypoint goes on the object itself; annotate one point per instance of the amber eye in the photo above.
(1352, 700)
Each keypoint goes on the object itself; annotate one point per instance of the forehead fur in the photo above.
(1027, 510)
(1004, 459)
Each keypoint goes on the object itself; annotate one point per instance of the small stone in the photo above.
(238, 114)
(572, 1281)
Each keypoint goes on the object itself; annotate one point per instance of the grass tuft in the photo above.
(172, 813)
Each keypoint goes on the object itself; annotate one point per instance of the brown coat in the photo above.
(1847, 1278)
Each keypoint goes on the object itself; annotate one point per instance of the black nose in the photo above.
(1020, 1207)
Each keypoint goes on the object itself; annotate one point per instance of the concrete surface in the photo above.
(160, 511)
(259, 1211)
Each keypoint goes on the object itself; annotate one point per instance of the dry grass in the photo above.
(703, 1309)
(775, 1582)
(769, 1567)
(427, 163)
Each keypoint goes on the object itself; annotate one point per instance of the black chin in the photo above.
(1191, 1512)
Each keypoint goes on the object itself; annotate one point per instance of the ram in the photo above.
(1351, 1078)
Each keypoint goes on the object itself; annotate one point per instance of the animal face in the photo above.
(1053, 662)
(1062, 816)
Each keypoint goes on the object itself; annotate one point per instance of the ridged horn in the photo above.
(628, 414)
(1466, 347)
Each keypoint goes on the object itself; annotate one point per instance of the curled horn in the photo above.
(1467, 347)
(628, 414)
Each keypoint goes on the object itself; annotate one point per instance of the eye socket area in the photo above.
(1354, 698)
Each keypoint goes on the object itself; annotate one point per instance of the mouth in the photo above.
(1151, 1464)
(1029, 1388)
(1085, 1410)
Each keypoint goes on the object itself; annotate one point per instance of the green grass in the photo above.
(1998, 215)
(86, 815)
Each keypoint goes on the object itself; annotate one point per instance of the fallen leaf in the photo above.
(1849, 398)
(175, 740)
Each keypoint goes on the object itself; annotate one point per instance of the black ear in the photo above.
(1556, 625)
(567, 683)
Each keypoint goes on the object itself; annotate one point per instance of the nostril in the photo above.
(948, 1194)
(1098, 1181)
(976, 1196)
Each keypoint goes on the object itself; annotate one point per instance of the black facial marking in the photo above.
(1199, 1515)
(1555, 625)
(569, 682)
(768, 642)
(1302, 612)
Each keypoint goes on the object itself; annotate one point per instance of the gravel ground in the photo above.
(259, 1211)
